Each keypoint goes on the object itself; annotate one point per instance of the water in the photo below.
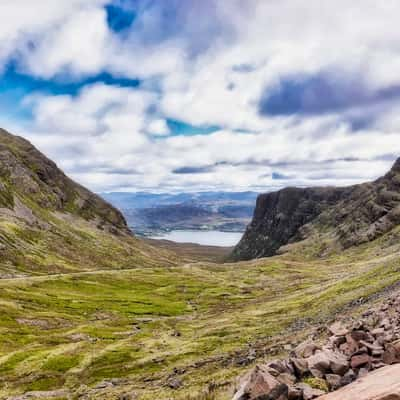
(205, 238)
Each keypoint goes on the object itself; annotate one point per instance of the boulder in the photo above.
(391, 354)
(382, 384)
(260, 384)
(338, 329)
(318, 364)
(348, 377)
(334, 381)
(360, 360)
(277, 367)
(287, 379)
(295, 393)
(309, 393)
(306, 349)
(300, 366)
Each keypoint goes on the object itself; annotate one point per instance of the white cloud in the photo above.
(210, 66)
(158, 127)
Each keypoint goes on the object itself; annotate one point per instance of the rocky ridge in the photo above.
(344, 217)
(351, 351)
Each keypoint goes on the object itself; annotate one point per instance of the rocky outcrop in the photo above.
(348, 216)
(349, 354)
(278, 216)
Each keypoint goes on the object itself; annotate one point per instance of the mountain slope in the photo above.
(50, 224)
(340, 217)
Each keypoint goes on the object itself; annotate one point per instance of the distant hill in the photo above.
(154, 212)
(329, 218)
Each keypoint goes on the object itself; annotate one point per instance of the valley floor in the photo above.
(176, 332)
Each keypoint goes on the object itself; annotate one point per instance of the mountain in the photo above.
(153, 213)
(49, 223)
(90, 311)
(338, 217)
(128, 200)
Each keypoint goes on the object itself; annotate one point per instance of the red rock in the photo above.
(259, 382)
(382, 384)
(306, 349)
(308, 392)
(359, 335)
(295, 393)
(300, 366)
(360, 360)
(391, 355)
(318, 364)
(378, 332)
(338, 329)
(350, 347)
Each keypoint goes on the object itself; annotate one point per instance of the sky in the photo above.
(188, 95)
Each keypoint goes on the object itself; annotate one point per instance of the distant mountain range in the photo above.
(149, 213)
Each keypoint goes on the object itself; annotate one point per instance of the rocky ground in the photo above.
(352, 350)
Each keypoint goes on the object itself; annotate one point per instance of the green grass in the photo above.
(83, 328)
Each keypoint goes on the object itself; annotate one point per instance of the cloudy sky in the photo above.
(172, 95)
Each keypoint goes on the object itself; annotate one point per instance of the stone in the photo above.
(308, 392)
(359, 335)
(334, 381)
(286, 378)
(174, 383)
(371, 346)
(300, 366)
(318, 364)
(360, 360)
(280, 366)
(259, 382)
(378, 332)
(336, 341)
(348, 377)
(382, 384)
(362, 372)
(390, 355)
(338, 329)
(338, 363)
(350, 347)
(306, 349)
(295, 393)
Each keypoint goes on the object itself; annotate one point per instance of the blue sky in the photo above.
(188, 95)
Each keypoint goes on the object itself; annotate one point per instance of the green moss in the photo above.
(61, 363)
(45, 383)
(317, 383)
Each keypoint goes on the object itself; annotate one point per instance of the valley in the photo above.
(89, 311)
(152, 214)
(147, 330)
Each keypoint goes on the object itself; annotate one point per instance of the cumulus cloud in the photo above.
(299, 92)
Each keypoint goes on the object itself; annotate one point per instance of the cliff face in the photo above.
(278, 216)
(351, 215)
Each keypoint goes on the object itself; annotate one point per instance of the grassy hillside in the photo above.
(50, 224)
(192, 323)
